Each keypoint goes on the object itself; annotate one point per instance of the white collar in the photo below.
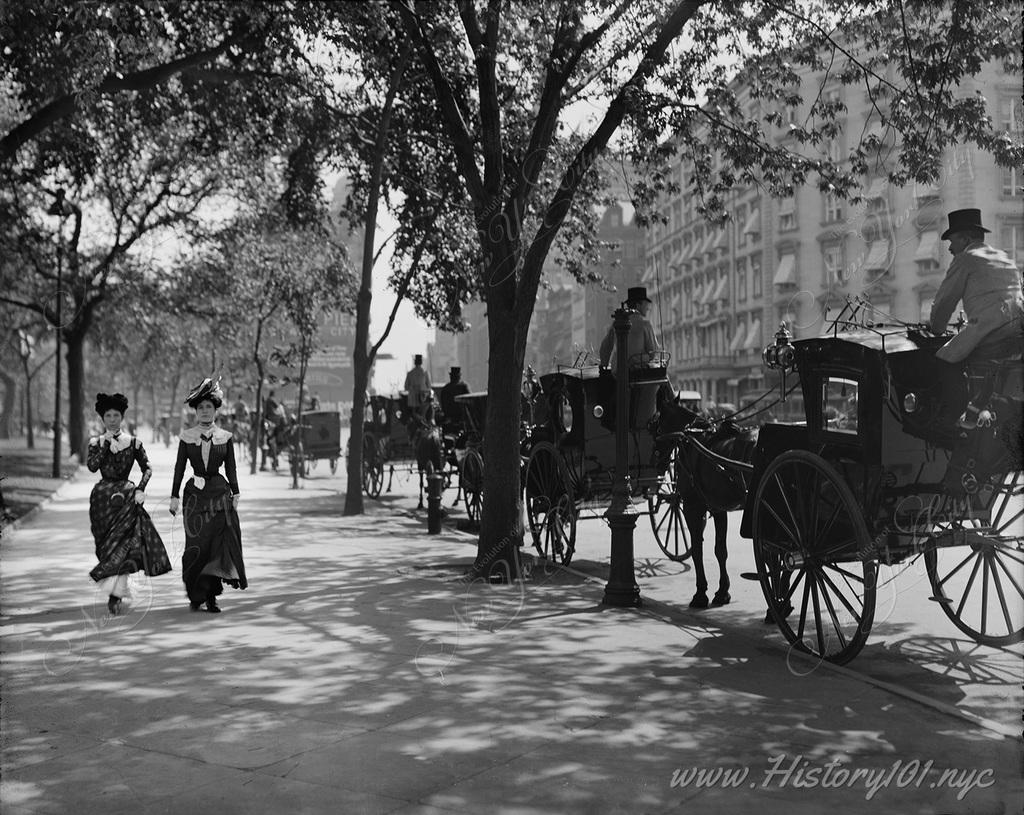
(192, 435)
(122, 442)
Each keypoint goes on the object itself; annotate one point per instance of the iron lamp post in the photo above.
(59, 208)
(622, 590)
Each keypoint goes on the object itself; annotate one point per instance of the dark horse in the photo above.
(705, 485)
(428, 443)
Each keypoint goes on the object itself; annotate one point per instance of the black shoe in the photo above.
(113, 604)
(212, 607)
(193, 605)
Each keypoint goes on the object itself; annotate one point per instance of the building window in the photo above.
(926, 307)
(741, 279)
(688, 298)
(832, 260)
(833, 207)
(1012, 182)
(1010, 119)
(787, 214)
(756, 283)
(741, 222)
(1012, 240)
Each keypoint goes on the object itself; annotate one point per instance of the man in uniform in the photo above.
(642, 342)
(452, 410)
(989, 284)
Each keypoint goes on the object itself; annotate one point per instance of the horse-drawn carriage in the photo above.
(571, 463)
(395, 435)
(320, 439)
(885, 467)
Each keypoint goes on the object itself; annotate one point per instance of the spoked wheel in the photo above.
(666, 509)
(550, 507)
(810, 546)
(980, 586)
(471, 479)
(373, 466)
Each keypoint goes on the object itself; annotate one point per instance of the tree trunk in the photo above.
(257, 435)
(29, 419)
(501, 523)
(360, 383)
(76, 393)
(10, 401)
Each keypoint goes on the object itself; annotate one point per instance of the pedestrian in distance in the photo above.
(126, 540)
(209, 503)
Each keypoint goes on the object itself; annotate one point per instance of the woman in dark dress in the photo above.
(126, 540)
(213, 541)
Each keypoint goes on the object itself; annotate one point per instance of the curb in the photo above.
(6, 528)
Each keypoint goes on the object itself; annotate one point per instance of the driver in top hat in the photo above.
(989, 284)
(642, 342)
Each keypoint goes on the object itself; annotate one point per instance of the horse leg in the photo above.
(721, 520)
(391, 474)
(696, 520)
(420, 504)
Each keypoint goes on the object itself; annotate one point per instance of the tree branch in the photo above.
(66, 105)
(462, 140)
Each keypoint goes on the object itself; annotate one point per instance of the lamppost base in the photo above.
(622, 590)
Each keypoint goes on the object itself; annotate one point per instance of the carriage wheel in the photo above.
(666, 509)
(471, 479)
(550, 507)
(981, 586)
(373, 466)
(810, 545)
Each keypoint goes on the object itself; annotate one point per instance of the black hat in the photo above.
(111, 401)
(636, 293)
(418, 359)
(455, 371)
(964, 220)
(206, 390)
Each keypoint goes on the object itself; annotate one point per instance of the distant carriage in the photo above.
(399, 439)
(320, 439)
(570, 468)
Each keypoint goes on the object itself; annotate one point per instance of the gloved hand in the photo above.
(140, 497)
(173, 507)
(234, 500)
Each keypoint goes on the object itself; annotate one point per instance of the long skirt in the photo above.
(126, 540)
(213, 541)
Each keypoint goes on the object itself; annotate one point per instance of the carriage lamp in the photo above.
(780, 355)
(910, 403)
(598, 411)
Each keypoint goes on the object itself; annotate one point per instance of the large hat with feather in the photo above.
(205, 390)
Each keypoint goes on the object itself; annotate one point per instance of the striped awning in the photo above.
(927, 247)
(878, 256)
(785, 274)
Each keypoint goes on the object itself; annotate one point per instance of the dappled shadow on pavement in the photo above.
(362, 667)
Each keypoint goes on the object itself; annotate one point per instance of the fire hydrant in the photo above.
(435, 485)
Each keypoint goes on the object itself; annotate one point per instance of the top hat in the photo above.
(964, 220)
(636, 293)
(418, 359)
(455, 370)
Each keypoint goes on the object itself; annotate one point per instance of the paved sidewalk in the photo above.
(361, 673)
